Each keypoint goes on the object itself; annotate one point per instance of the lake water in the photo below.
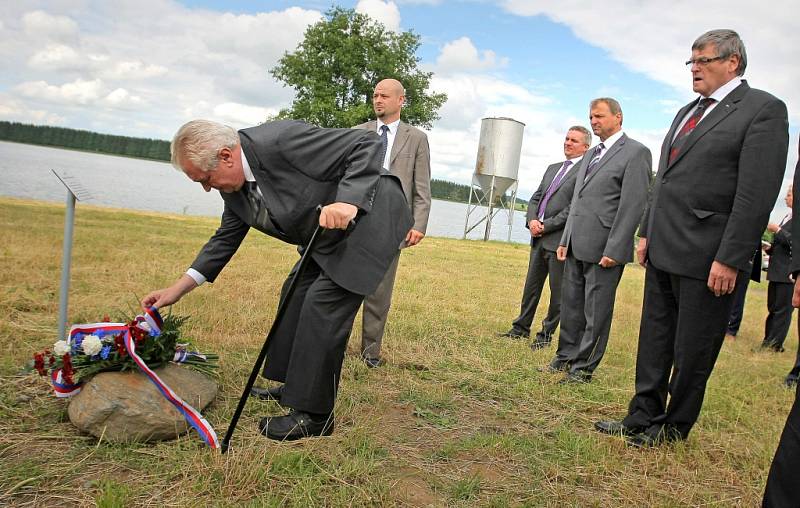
(121, 182)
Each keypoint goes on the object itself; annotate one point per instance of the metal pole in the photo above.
(66, 261)
(489, 217)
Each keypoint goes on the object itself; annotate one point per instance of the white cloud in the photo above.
(42, 24)
(384, 12)
(78, 92)
(241, 115)
(55, 57)
(84, 62)
(658, 37)
(462, 55)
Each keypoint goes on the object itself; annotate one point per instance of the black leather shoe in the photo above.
(554, 367)
(615, 428)
(296, 425)
(538, 344)
(655, 435)
(772, 346)
(371, 362)
(514, 334)
(267, 393)
(577, 377)
(790, 382)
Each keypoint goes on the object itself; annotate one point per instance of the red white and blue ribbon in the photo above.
(61, 388)
(153, 319)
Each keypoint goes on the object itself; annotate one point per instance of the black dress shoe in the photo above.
(267, 393)
(577, 377)
(514, 334)
(296, 425)
(615, 428)
(537, 344)
(554, 367)
(655, 435)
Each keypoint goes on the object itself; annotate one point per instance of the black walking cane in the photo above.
(278, 315)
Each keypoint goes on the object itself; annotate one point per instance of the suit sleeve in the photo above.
(350, 156)
(533, 203)
(421, 193)
(784, 236)
(632, 199)
(219, 249)
(762, 162)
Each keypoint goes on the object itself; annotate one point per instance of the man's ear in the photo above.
(225, 155)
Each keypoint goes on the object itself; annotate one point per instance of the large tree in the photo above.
(341, 59)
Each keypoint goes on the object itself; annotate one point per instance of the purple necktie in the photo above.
(551, 189)
(595, 159)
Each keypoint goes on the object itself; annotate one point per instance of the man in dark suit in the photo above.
(720, 171)
(781, 489)
(547, 213)
(607, 203)
(779, 291)
(272, 177)
(408, 157)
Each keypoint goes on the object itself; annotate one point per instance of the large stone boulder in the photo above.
(127, 406)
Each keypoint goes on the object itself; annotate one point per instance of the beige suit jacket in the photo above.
(410, 161)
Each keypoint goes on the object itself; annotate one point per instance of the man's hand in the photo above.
(561, 253)
(414, 237)
(607, 262)
(167, 296)
(337, 215)
(796, 295)
(536, 227)
(641, 251)
(772, 227)
(721, 278)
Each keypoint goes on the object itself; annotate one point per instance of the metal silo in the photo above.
(496, 170)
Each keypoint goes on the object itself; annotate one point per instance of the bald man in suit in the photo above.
(406, 156)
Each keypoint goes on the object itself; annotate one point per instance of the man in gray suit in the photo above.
(547, 213)
(607, 204)
(721, 167)
(272, 178)
(407, 156)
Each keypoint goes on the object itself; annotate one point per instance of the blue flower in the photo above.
(104, 352)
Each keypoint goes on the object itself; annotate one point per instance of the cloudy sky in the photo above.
(144, 67)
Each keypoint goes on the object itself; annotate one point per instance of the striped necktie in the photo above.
(384, 142)
(598, 150)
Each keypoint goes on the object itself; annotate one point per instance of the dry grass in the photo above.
(457, 417)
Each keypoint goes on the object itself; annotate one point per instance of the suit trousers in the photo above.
(681, 333)
(737, 311)
(779, 319)
(587, 306)
(782, 487)
(794, 374)
(307, 350)
(376, 312)
(542, 264)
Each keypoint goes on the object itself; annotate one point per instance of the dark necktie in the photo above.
(595, 160)
(384, 142)
(259, 211)
(551, 189)
(688, 127)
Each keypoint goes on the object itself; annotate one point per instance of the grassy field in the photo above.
(457, 417)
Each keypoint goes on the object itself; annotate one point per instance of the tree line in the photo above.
(63, 137)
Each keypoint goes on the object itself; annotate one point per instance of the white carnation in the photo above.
(60, 348)
(91, 345)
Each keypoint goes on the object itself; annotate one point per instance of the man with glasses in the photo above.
(721, 167)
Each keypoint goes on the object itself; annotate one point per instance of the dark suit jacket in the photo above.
(557, 209)
(410, 161)
(297, 167)
(780, 254)
(607, 206)
(713, 201)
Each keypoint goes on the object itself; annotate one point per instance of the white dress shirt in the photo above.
(387, 158)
